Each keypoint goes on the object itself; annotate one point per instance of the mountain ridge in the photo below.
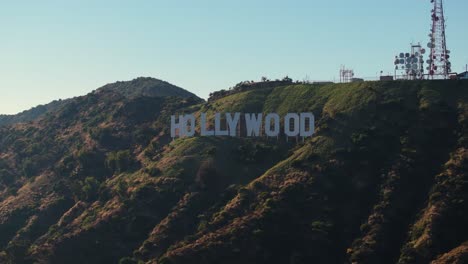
(141, 86)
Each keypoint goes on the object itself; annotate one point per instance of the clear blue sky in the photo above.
(60, 49)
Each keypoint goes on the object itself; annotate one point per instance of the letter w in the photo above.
(253, 124)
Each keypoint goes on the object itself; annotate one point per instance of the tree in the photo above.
(287, 79)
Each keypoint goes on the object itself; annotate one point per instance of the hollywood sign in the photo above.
(254, 125)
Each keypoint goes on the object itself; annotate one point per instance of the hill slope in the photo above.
(31, 114)
(383, 180)
(146, 86)
(142, 86)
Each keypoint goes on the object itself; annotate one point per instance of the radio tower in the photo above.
(439, 64)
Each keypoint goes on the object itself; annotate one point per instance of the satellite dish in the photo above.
(402, 61)
(402, 55)
(415, 60)
(421, 60)
(429, 61)
(416, 54)
(407, 55)
(423, 51)
(415, 66)
(408, 66)
(448, 51)
(427, 68)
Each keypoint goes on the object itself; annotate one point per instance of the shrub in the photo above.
(127, 260)
(29, 168)
(153, 171)
(91, 162)
(103, 135)
(207, 177)
(121, 189)
(6, 177)
(120, 161)
(89, 188)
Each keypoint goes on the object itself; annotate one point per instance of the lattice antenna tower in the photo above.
(439, 64)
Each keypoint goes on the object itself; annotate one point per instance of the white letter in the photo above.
(311, 118)
(191, 132)
(205, 132)
(253, 124)
(177, 126)
(287, 125)
(232, 123)
(276, 130)
(218, 130)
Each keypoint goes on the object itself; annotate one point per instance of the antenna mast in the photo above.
(346, 75)
(439, 64)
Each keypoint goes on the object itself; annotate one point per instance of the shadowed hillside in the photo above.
(383, 180)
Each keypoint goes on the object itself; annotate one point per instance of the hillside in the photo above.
(146, 86)
(142, 86)
(383, 180)
(31, 114)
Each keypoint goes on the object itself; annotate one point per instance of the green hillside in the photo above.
(383, 180)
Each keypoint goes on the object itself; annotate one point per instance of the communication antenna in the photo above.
(439, 64)
(410, 66)
(346, 75)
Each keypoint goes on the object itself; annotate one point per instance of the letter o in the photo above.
(287, 124)
(189, 132)
(276, 119)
